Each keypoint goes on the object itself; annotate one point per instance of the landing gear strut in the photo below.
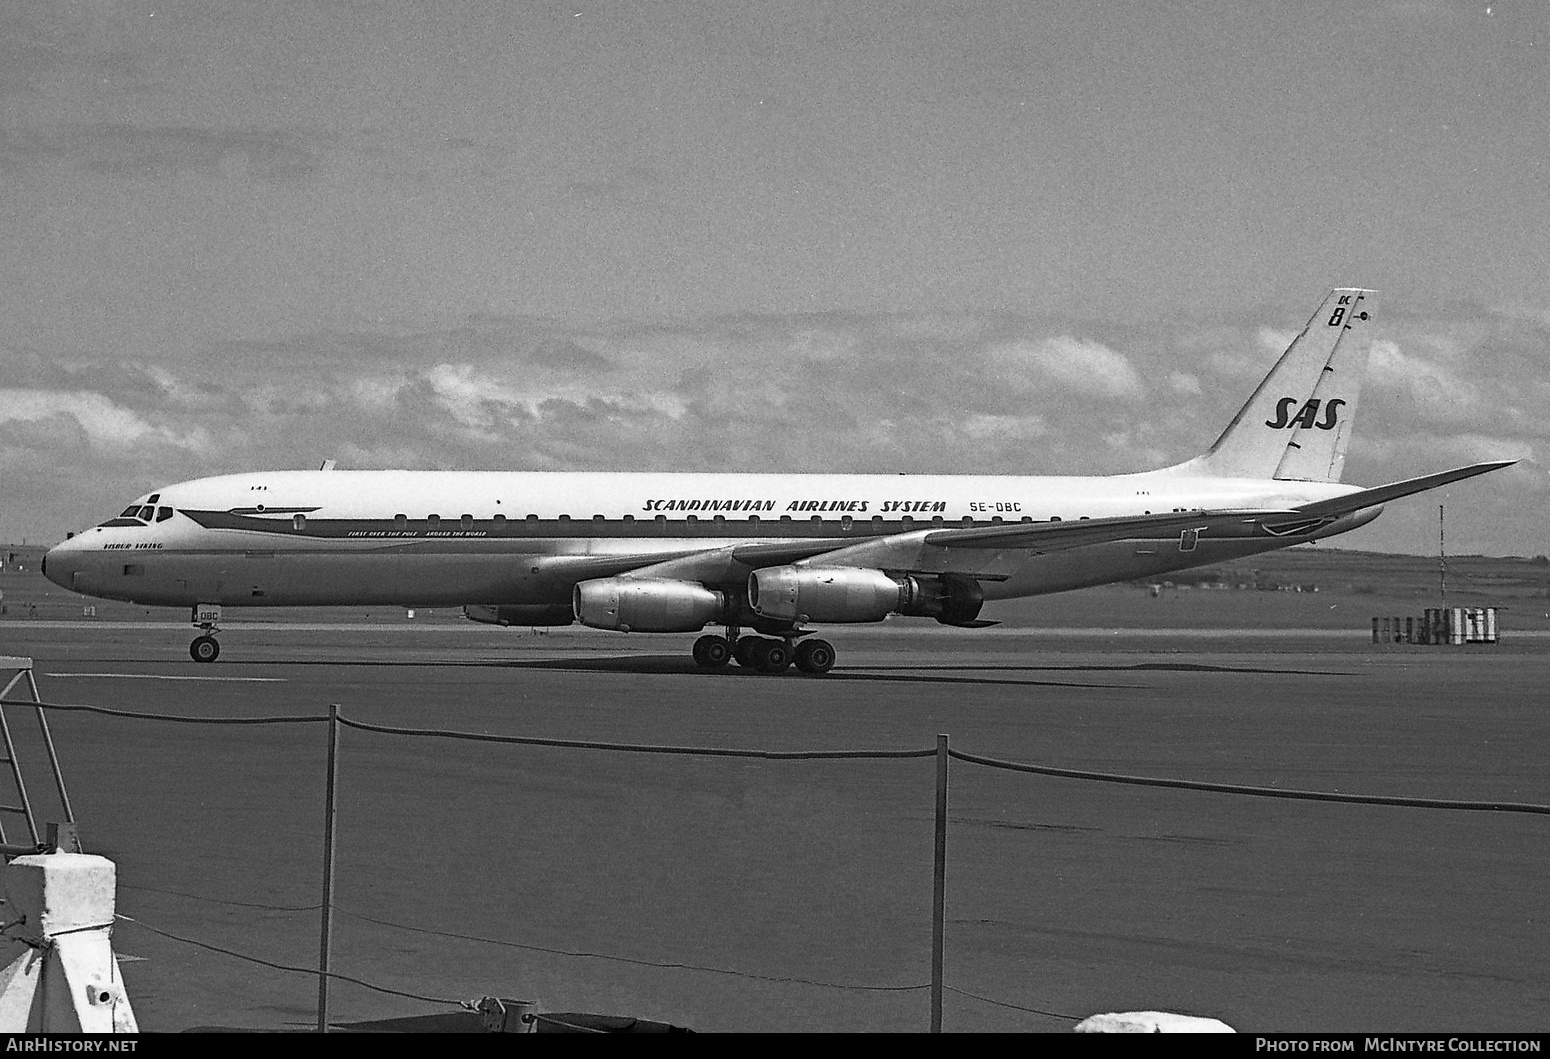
(205, 648)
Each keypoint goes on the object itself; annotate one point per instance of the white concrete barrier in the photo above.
(60, 975)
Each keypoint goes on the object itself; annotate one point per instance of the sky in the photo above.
(874, 236)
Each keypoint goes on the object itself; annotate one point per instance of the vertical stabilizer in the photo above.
(1298, 423)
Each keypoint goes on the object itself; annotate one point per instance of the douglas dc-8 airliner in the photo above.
(768, 553)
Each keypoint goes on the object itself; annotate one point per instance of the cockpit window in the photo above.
(140, 515)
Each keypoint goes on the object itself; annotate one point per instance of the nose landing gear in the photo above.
(205, 648)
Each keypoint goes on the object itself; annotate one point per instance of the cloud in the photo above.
(1184, 382)
(1074, 364)
(105, 424)
(127, 150)
(991, 393)
(1435, 395)
(1013, 428)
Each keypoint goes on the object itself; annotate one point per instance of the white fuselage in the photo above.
(425, 538)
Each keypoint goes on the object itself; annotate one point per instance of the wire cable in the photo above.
(667, 965)
(133, 715)
(641, 748)
(1014, 1007)
(1258, 792)
(310, 972)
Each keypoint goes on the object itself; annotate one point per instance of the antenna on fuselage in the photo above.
(328, 465)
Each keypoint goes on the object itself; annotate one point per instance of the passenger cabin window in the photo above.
(400, 522)
(467, 522)
(433, 521)
(299, 521)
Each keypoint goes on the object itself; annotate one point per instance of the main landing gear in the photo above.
(205, 648)
(764, 653)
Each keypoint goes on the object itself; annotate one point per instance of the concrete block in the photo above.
(53, 893)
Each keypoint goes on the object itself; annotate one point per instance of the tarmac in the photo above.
(749, 894)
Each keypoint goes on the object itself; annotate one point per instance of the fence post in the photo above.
(328, 866)
(939, 884)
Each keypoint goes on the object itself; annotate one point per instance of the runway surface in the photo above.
(747, 894)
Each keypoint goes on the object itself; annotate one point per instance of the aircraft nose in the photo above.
(59, 564)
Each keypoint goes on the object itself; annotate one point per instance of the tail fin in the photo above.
(1298, 423)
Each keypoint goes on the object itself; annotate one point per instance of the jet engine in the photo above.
(640, 604)
(849, 594)
(521, 614)
(832, 593)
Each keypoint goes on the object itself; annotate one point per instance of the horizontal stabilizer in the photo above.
(1344, 505)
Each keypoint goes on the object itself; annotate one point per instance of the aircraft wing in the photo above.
(779, 553)
(730, 563)
(710, 565)
(1345, 505)
(1058, 536)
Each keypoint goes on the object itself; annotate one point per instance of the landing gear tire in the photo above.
(712, 652)
(772, 656)
(743, 651)
(204, 649)
(815, 656)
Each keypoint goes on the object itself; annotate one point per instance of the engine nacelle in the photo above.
(521, 614)
(640, 604)
(848, 594)
(824, 593)
(952, 599)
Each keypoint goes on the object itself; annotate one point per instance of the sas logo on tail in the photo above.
(1307, 417)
